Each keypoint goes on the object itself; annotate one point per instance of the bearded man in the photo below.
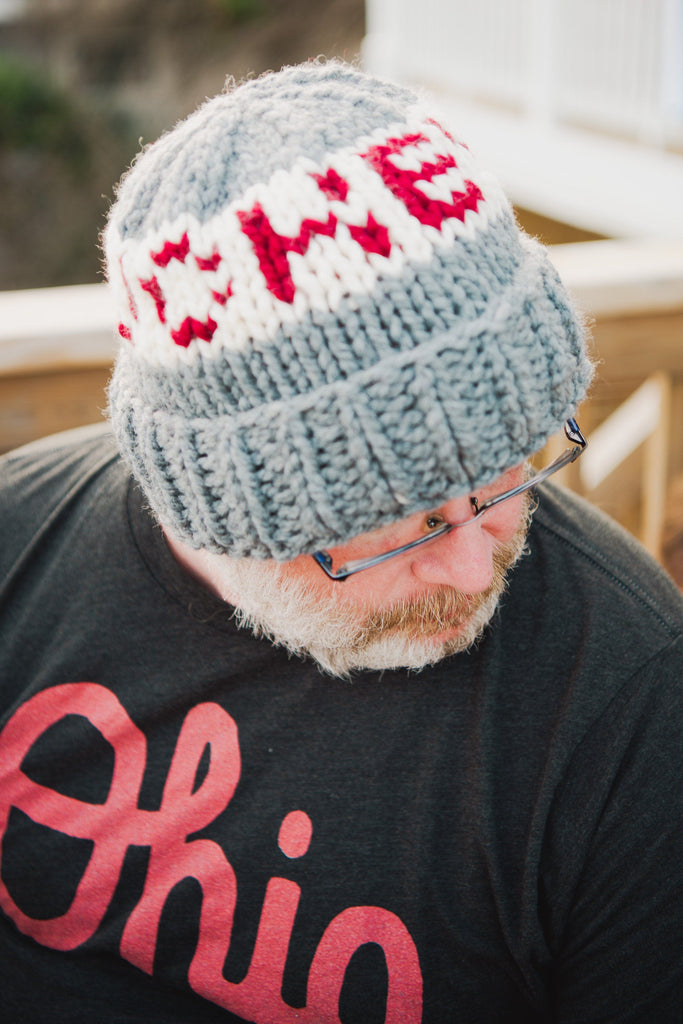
(318, 703)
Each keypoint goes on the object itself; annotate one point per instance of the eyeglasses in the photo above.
(571, 429)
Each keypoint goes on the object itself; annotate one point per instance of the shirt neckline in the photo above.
(199, 602)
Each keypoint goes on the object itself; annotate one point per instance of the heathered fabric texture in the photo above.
(330, 318)
(515, 810)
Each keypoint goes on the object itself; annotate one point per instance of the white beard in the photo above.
(292, 614)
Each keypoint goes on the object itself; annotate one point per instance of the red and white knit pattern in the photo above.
(302, 241)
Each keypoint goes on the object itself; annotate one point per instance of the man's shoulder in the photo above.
(597, 562)
(45, 476)
(67, 454)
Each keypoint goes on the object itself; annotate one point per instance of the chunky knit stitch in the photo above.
(329, 317)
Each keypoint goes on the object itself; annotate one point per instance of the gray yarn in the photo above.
(239, 138)
(428, 388)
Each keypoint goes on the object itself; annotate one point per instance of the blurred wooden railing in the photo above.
(56, 351)
(57, 345)
(633, 467)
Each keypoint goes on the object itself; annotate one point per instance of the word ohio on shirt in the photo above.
(118, 823)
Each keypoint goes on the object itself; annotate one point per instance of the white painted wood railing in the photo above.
(576, 105)
(616, 65)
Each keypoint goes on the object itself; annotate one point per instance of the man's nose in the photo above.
(462, 559)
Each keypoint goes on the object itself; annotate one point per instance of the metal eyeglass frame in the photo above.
(571, 429)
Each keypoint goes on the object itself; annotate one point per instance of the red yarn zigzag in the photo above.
(271, 248)
(211, 263)
(332, 184)
(153, 288)
(191, 328)
(373, 237)
(402, 183)
(172, 251)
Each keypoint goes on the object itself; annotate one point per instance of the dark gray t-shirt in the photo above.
(197, 827)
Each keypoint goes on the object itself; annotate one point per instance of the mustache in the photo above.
(432, 614)
(424, 616)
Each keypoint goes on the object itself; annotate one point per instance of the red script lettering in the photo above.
(118, 823)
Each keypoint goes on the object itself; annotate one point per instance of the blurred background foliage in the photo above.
(85, 83)
(36, 114)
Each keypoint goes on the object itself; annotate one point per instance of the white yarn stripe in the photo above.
(330, 269)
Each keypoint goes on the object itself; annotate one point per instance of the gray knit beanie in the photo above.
(330, 318)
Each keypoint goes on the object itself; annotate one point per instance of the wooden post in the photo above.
(655, 472)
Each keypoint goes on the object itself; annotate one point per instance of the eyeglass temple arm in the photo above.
(573, 434)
